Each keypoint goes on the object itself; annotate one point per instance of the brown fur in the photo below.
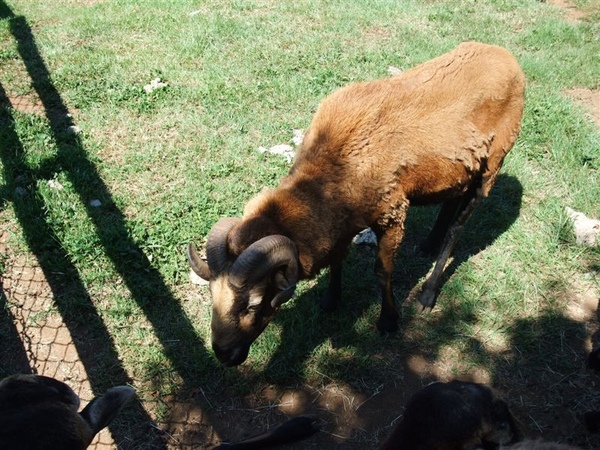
(373, 148)
(435, 134)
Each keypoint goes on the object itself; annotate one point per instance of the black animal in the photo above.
(40, 413)
(454, 416)
(592, 418)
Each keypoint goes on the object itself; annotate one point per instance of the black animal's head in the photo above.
(247, 289)
(41, 413)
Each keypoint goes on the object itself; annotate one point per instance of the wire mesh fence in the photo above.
(46, 341)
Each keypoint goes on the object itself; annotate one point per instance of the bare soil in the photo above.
(589, 99)
(571, 13)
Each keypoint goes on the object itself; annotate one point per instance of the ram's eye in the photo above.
(254, 302)
(252, 309)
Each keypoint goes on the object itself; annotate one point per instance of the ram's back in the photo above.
(423, 136)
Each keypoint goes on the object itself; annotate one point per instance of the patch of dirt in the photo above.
(29, 104)
(46, 341)
(590, 99)
(84, 2)
(572, 14)
(582, 304)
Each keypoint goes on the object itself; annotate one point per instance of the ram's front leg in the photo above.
(331, 298)
(389, 239)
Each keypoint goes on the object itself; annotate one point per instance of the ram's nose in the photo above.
(233, 356)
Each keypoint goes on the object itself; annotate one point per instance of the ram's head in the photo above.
(247, 289)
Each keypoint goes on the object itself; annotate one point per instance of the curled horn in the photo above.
(198, 265)
(261, 259)
(216, 250)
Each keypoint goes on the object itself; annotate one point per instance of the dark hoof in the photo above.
(426, 309)
(329, 303)
(427, 298)
(388, 324)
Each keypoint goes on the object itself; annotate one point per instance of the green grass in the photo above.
(242, 74)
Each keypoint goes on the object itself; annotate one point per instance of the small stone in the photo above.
(393, 71)
(298, 137)
(365, 237)
(73, 129)
(285, 150)
(95, 203)
(587, 230)
(53, 184)
(154, 84)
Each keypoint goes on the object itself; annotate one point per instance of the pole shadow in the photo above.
(13, 354)
(181, 344)
(68, 290)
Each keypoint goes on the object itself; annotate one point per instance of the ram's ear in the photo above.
(285, 289)
(103, 409)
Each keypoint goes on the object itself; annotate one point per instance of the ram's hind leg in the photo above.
(465, 207)
(446, 216)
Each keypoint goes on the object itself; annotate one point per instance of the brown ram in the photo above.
(39, 412)
(435, 134)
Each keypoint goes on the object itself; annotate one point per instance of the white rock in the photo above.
(298, 137)
(586, 230)
(53, 184)
(95, 203)
(73, 129)
(365, 237)
(154, 84)
(285, 150)
(195, 279)
(393, 71)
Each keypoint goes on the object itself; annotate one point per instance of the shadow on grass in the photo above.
(541, 374)
(300, 336)
(95, 347)
(540, 370)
